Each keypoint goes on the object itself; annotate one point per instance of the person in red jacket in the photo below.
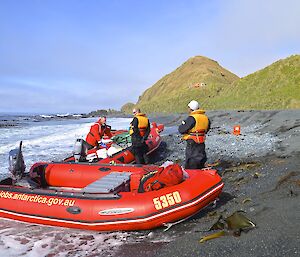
(97, 131)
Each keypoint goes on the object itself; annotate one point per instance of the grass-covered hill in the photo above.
(197, 77)
(274, 87)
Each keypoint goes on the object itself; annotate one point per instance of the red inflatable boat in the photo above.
(113, 153)
(102, 197)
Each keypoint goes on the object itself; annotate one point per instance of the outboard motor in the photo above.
(80, 150)
(16, 163)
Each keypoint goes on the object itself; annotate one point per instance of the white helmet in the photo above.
(194, 105)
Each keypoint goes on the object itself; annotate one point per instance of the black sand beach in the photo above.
(261, 172)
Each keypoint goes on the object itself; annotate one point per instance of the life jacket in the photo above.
(143, 123)
(96, 133)
(197, 133)
(163, 177)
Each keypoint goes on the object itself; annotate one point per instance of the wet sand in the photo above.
(264, 183)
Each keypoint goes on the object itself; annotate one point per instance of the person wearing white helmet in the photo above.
(193, 105)
(194, 129)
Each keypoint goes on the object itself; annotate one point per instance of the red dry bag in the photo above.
(163, 177)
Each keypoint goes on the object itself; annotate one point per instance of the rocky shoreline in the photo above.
(261, 172)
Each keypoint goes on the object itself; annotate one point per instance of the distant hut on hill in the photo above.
(198, 85)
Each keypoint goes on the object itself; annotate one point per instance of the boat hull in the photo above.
(126, 156)
(123, 210)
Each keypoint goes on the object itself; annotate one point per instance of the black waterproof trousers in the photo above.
(140, 154)
(195, 155)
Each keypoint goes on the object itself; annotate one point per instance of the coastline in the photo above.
(266, 186)
(260, 169)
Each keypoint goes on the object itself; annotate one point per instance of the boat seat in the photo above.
(112, 182)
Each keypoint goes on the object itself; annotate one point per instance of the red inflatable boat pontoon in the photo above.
(122, 155)
(104, 197)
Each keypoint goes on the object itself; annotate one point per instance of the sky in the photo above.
(76, 56)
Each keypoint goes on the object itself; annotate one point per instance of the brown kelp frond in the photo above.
(233, 224)
(238, 221)
(285, 179)
(212, 236)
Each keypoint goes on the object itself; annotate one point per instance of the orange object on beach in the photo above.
(237, 130)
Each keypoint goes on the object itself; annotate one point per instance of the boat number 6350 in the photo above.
(166, 200)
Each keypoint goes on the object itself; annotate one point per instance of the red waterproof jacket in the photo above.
(96, 133)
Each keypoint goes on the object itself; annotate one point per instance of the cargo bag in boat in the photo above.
(164, 177)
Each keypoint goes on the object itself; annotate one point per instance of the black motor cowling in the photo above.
(16, 163)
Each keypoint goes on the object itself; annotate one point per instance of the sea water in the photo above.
(53, 140)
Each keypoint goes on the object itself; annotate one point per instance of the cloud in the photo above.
(73, 95)
(74, 56)
(253, 34)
